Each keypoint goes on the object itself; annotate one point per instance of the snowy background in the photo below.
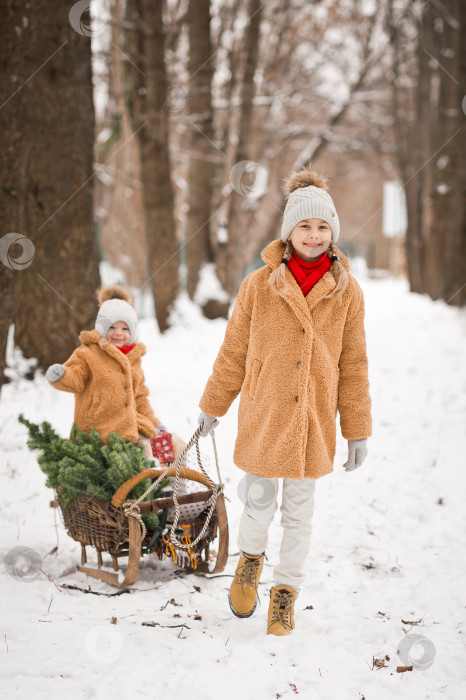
(387, 557)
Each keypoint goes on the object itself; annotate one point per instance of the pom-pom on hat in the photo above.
(308, 198)
(115, 305)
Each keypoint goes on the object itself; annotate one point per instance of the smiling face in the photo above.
(310, 238)
(119, 334)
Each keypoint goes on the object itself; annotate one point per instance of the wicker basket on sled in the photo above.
(106, 526)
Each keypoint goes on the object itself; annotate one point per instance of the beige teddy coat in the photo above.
(109, 388)
(296, 360)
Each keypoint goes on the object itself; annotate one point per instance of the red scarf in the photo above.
(307, 274)
(126, 349)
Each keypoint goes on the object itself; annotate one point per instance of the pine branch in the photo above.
(84, 465)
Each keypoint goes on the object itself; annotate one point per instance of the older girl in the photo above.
(295, 348)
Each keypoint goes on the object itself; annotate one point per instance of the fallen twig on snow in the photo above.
(158, 624)
(411, 622)
(89, 590)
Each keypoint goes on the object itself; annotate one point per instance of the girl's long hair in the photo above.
(277, 279)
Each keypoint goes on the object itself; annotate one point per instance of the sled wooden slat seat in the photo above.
(162, 504)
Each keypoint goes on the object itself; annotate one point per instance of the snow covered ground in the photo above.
(387, 558)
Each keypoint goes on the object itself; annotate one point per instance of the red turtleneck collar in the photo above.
(126, 349)
(307, 274)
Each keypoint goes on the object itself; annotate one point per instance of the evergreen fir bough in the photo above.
(83, 464)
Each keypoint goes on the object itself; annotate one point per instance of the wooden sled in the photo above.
(104, 525)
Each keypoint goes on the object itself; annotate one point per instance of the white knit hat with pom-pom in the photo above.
(308, 198)
(115, 305)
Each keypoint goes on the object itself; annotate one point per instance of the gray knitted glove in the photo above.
(207, 423)
(357, 453)
(55, 372)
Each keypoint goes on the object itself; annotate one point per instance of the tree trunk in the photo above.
(229, 258)
(202, 150)
(444, 183)
(52, 114)
(405, 99)
(151, 103)
(456, 285)
(12, 50)
(430, 151)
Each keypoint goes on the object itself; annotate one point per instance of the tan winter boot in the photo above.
(243, 592)
(280, 619)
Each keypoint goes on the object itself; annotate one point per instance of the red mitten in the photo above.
(162, 447)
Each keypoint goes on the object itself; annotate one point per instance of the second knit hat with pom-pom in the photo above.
(115, 305)
(308, 199)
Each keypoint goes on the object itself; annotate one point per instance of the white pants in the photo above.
(297, 507)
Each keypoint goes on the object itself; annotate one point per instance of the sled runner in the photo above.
(189, 523)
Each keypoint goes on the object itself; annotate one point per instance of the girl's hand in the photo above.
(357, 453)
(207, 423)
(55, 372)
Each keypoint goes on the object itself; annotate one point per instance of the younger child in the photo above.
(106, 376)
